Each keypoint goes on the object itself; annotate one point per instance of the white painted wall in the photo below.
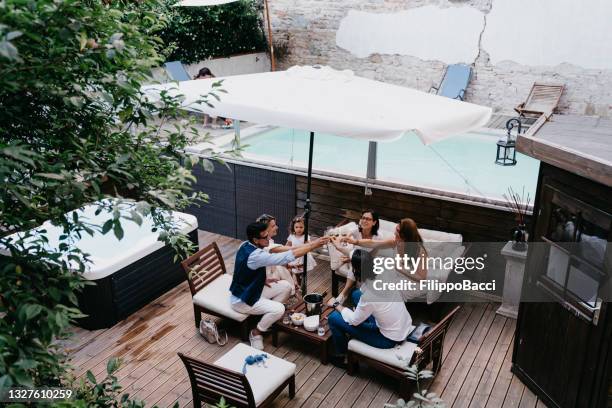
(550, 32)
(235, 65)
(430, 33)
(575, 31)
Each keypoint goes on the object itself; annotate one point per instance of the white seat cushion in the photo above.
(398, 356)
(263, 380)
(335, 256)
(439, 236)
(387, 229)
(216, 297)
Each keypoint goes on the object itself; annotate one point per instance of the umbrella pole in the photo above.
(307, 211)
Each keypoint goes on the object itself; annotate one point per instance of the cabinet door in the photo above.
(560, 340)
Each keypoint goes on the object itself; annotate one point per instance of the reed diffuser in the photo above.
(518, 203)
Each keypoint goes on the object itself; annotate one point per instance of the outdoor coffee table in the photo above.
(299, 331)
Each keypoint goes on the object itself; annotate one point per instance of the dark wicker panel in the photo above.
(261, 191)
(119, 295)
(219, 214)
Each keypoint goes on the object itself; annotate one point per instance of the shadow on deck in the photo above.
(475, 370)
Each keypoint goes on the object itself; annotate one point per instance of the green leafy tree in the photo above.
(75, 128)
(197, 33)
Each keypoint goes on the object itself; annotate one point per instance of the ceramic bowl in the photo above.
(311, 323)
(298, 318)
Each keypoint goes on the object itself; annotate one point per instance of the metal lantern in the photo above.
(506, 149)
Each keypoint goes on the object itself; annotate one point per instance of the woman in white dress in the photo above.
(368, 230)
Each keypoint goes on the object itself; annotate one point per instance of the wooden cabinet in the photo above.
(563, 344)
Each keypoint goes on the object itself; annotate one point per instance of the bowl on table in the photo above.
(298, 318)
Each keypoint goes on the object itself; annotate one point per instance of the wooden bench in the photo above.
(429, 355)
(209, 285)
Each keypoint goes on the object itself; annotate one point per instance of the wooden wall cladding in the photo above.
(332, 201)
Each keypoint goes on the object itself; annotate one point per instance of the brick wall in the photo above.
(311, 25)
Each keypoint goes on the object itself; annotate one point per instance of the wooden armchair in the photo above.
(429, 354)
(209, 285)
(211, 381)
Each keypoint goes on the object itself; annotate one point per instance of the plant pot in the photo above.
(519, 238)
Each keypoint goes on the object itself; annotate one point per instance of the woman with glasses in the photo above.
(368, 230)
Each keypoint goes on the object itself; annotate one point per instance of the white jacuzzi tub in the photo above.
(129, 273)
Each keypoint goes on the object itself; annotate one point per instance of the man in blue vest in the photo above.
(252, 292)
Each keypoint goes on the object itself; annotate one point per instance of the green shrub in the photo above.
(198, 33)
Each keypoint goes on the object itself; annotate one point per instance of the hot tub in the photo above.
(128, 273)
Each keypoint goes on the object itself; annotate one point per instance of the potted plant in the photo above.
(519, 205)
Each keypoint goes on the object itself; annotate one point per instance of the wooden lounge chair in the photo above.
(176, 71)
(542, 100)
(209, 285)
(223, 378)
(455, 81)
(386, 360)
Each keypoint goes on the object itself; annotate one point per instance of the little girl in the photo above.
(295, 239)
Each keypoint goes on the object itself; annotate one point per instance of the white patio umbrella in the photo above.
(321, 99)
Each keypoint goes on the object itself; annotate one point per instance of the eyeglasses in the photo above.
(266, 237)
(367, 218)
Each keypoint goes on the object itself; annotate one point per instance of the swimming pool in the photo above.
(462, 164)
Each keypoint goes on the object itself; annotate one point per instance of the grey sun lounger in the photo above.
(455, 81)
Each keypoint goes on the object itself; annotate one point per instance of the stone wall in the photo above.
(311, 27)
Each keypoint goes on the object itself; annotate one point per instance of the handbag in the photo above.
(209, 330)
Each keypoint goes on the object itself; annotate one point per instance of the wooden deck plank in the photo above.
(494, 365)
(454, 355)
(479, 363)
(528, 399)
(319, 394)
(502, 383)
(460, 374)
(134, 338)
(131, 328)
(514, 393)
(309, 385)
(476, 351)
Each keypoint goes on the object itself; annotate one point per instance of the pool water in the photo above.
(462, 164)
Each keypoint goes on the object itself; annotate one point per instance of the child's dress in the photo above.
(295, 242)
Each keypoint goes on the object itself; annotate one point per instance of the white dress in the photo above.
(296, 242)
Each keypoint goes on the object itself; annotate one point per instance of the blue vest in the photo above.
(247, 283)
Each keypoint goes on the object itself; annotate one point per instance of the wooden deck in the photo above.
(475, 371)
